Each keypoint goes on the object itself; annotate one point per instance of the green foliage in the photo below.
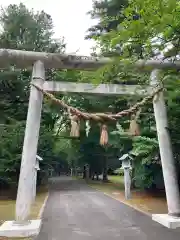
(23, 29)
(26, 29)
(10, 148)
(147, 28)
(106, 11)
(119, 171)
(144, 147)
(151, 25)
(146, 161)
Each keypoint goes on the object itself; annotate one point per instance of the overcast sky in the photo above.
(70, 20)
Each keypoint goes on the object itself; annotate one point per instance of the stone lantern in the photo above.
(36, 169)
(126, 166)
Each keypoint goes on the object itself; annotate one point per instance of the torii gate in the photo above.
(22, 226)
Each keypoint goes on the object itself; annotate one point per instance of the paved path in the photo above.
(74, 211)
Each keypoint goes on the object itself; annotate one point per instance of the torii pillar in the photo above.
(172, 219)
(23, 226)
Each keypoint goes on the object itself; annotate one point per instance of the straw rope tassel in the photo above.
(134, 128)
(104, 135)
(75, 126)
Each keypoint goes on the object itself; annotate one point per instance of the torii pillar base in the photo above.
(12, 229)
(167, 220)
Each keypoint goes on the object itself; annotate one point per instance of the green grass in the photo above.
(104, 187)
(115, 183)
(116, 179)
(7, 210)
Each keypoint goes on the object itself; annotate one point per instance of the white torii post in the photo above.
(22, 226)
(172, 219)
(25, 191)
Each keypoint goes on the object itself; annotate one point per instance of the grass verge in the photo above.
(7, 210)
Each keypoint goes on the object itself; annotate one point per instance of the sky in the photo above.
(69, 18)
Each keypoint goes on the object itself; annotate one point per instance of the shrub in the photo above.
(119, 171)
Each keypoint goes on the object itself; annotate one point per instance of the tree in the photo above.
(146, 30)
(109, 14)
(27, 30)
(146, 36)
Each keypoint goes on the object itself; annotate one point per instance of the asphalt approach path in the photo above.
(75, 211)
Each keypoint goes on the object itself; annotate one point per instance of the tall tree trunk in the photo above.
(105, 176)
(84, 172)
